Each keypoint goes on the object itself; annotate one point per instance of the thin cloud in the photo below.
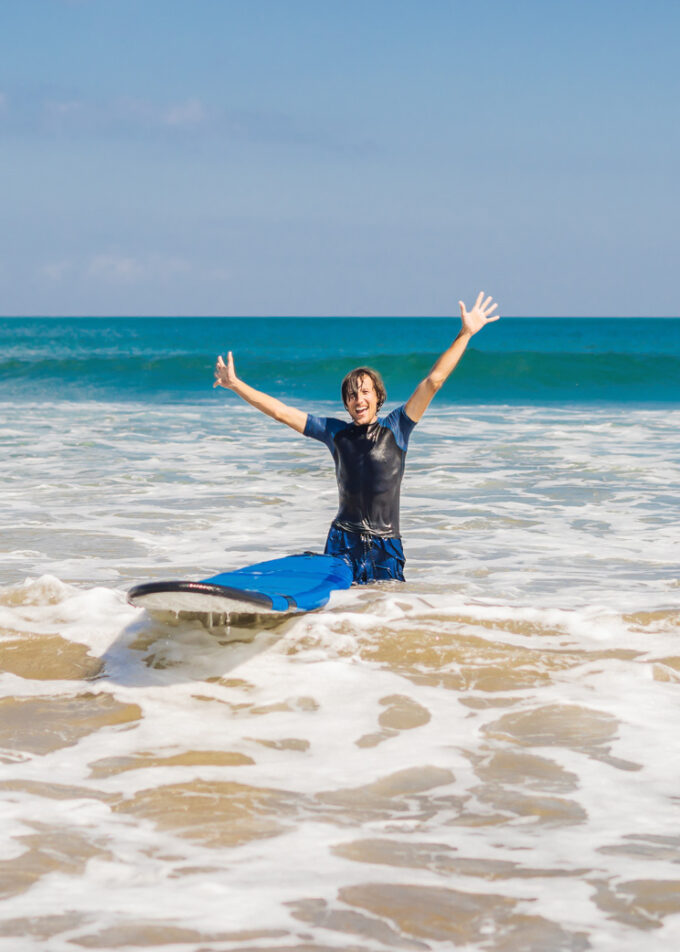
(130, 269)
(119, 268)
(56, 270)
(189, 113)
(51, 113)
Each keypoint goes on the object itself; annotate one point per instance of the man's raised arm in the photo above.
(225, 376)
(473, 321)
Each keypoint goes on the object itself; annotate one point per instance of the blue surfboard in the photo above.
(296, 583)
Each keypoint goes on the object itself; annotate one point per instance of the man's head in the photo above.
(363, 393)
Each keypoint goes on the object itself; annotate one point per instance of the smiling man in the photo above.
(369, 451)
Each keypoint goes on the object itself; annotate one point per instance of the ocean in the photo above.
(483, 758)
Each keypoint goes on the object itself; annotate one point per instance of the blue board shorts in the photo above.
(372, 558)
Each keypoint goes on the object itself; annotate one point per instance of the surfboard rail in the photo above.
(294, 583)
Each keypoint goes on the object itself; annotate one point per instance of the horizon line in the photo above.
(311, 317)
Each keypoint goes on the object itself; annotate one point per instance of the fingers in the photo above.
(225, 374)
(484, 308)
(219, 367)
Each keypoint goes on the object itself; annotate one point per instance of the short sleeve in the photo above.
(401, 425)
(323, 429)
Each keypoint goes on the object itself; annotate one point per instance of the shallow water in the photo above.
(484, 758)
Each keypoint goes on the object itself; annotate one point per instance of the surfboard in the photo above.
(295, 583)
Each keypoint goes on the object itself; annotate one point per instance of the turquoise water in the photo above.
(516, 360)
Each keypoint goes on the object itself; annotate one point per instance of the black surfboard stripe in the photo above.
(205, 588)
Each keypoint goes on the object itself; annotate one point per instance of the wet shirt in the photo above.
(369, 464)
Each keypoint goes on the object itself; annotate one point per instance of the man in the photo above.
(369, 452)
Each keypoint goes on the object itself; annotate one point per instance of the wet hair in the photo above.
(351, 383)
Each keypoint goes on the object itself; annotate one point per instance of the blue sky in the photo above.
(338, 157)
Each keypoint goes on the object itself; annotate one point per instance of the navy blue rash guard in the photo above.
(369, 464)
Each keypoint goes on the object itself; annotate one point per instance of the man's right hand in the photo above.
(225, 375)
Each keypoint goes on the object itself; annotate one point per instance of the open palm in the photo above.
(481, 314)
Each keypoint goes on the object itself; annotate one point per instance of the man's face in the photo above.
(363, 405)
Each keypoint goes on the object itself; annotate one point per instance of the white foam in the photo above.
(541, 544)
